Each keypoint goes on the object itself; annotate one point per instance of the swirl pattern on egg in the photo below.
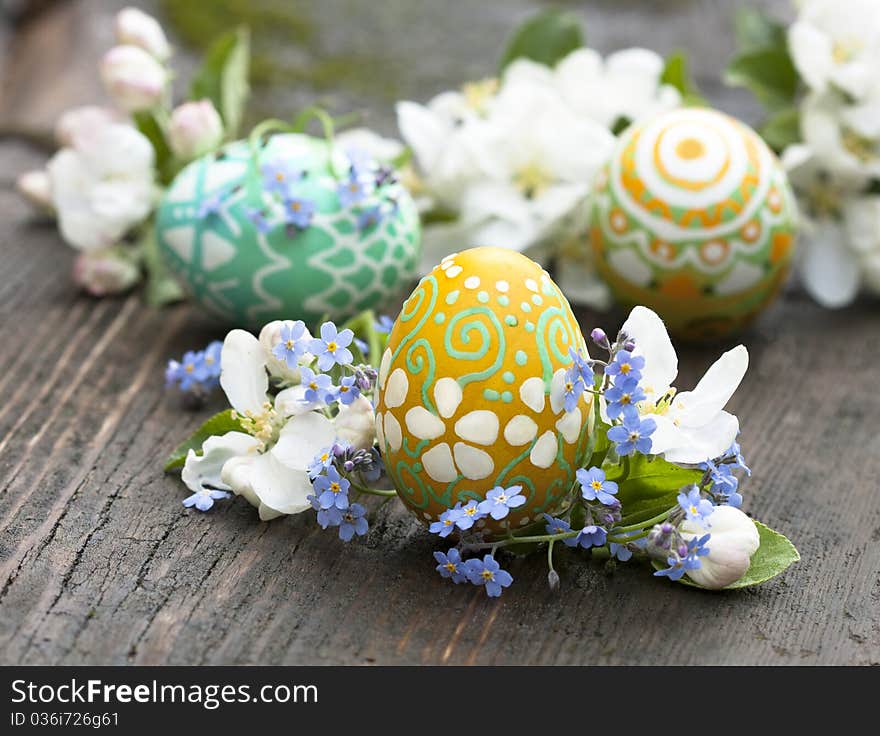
(471, 389)
(694, 217)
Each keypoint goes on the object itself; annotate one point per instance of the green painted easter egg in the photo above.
(694, 217)
(290, 229)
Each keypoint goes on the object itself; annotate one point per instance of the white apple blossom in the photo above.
(356, 424)
(195, 129)
(136, 28)
(134, 80)
(624, 86)
(734, 539)
(268, 464)
(103, 187)
(692, 426)
(105, 272)
(36, 187)
(836, 43)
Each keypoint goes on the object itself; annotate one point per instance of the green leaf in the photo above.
(756, 30)
(677, 74)
(782, 129)
(223, 78)
(546, 38)
(768, 73)
(161, 288)
(775, 555)
(149, 127)
(218, 424)
(646, 483)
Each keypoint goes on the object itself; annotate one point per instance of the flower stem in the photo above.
(360, 488)
(649, 522)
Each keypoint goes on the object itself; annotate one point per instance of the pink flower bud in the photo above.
(105, 272)
(195, 129)
(36, 188)
(136, 28)
(133, 78)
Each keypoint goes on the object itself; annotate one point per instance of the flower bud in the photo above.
(599, 337)
(553, 580)
(270, 336)
(629, 345)
(80, 125)
(136, 28)
(195, 129)
(133, 78)
(356, 423)
(36, 188)
(105, 272)
(734, 539)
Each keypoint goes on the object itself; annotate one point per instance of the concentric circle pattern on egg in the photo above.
(277, 236)
(694, 217)
(471, 389)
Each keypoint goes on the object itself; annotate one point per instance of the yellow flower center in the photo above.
(487, 575)
(478, 94)
(597, 485)
(450, 566)
(846, 49)
(332, 347)
(264, 425)
(279, 176)
(295, 206)
(189, 367)
(532, 179)
(625, 368)
(289, 344)
(335, 487)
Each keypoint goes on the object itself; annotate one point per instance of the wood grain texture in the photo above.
(99, 562)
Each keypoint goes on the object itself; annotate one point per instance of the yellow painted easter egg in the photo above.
(471, 390)
(694, 217)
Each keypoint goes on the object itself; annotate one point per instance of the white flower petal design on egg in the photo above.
(474, 464)
(570, 425)
(448, 395)
(532, 393)
(480, 427)
(557, 391)
(393, 433)
(395, 392)
(423, 424)
(438, 464)
(544, 452)
(383, 367)
(520, 430)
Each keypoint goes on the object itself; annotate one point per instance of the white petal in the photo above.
(201, 471)
(302, 438)
(266, 483)
(243, 372)
(695, 445)
(698, 407)
(811, 51)
(830, 271)
(653, 343)
(291, 401)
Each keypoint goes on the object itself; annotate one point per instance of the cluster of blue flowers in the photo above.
(197, 372)
(486, 572)
(462, 517)
(497, 504)
(723, 484)
(331, 349)
(331, 498)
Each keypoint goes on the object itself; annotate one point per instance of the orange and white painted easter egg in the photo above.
(471, 389)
